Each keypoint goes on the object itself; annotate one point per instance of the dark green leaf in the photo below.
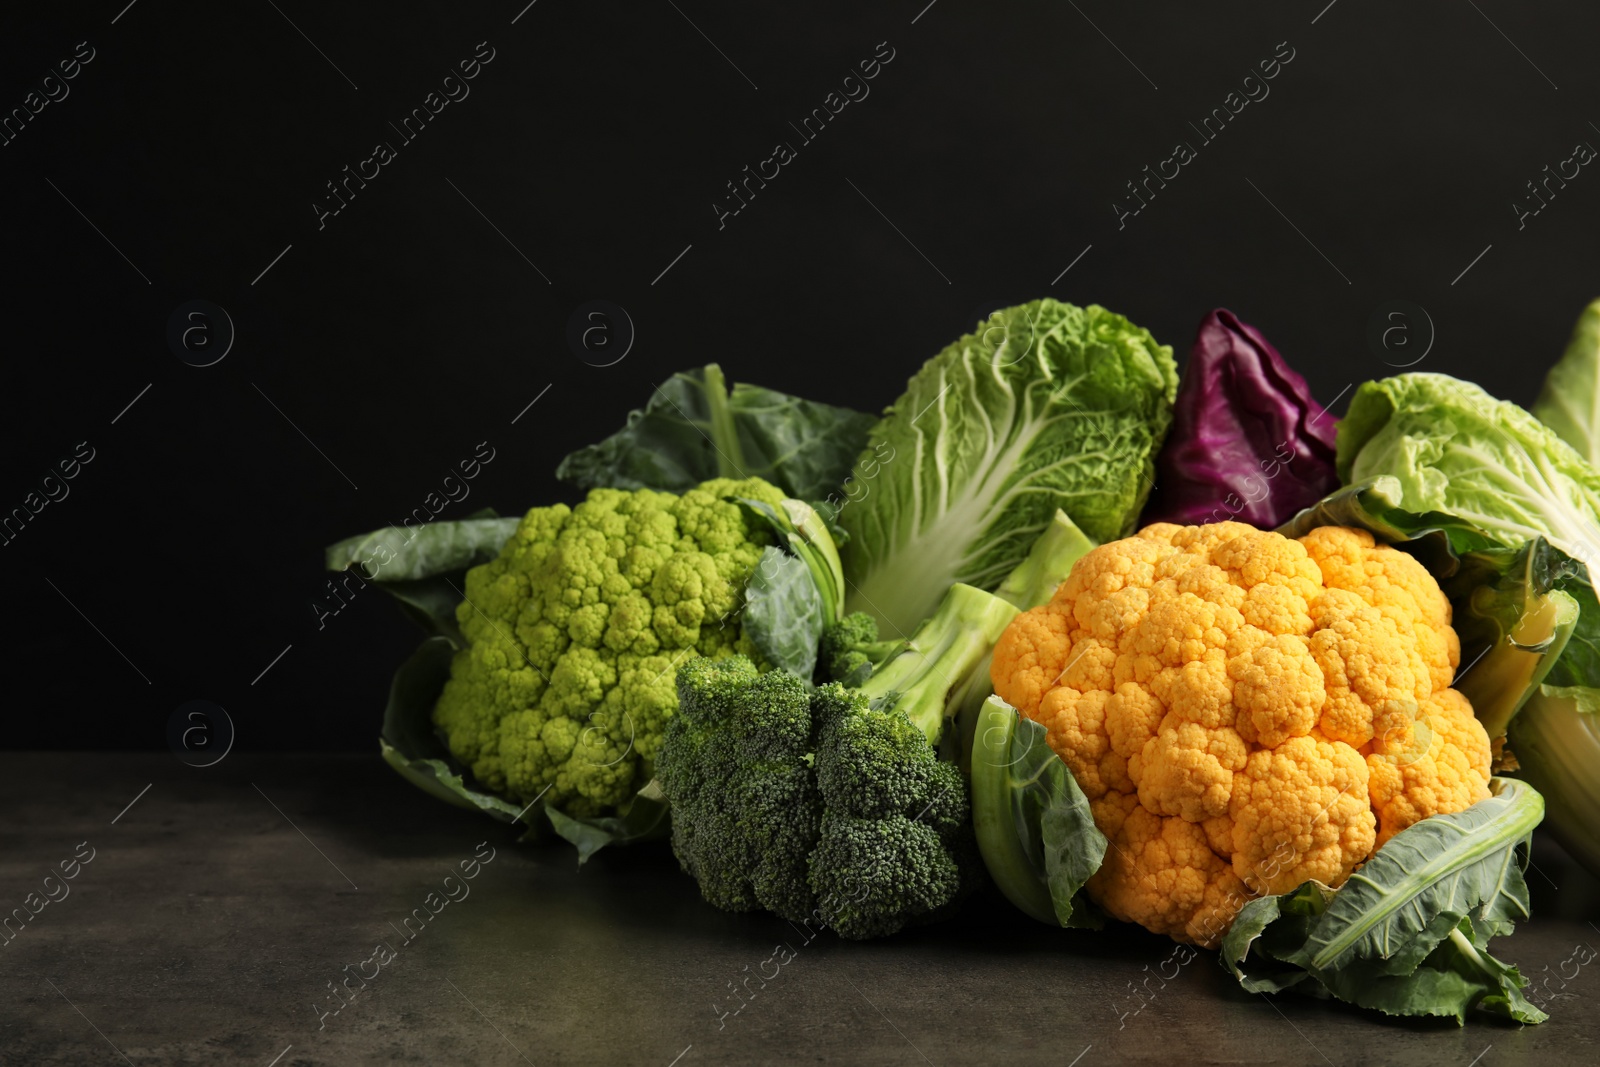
(1034, 827)
(1465, 864)
(1408, 933)
(1455, 980)
(646, 819)
(693, 429)
(431, 603)
(1268, 929)
(424, 568)
(804, 529)
(783, 614)
(399, 554)
(1578, 667)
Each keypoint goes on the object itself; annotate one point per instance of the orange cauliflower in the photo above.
(1245, 711)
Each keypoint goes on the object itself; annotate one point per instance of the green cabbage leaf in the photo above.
(1408, 933)
(1455, 449)
(1570, 402)
(1044, 406)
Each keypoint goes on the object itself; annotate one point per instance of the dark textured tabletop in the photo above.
(235, 915)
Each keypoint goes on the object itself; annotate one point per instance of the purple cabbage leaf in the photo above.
(1248, 442)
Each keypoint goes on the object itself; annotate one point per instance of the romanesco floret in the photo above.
(575, 631)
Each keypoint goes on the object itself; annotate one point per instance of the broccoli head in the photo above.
(574, 632)
(811, 804)
(745, 804)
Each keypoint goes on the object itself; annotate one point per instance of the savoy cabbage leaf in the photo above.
(1453, 448)
(1569, 403)
(1043, 406)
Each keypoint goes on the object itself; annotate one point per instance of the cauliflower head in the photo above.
(575, 633)
(1245, 711)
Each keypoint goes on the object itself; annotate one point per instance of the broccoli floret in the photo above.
(879, 874)
(896, 841)
(851, 649)
(813, 805)
(734, 764)
(709, 691)
(784, 810)
(869, 763)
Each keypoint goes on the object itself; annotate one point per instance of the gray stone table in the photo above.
(218, 909)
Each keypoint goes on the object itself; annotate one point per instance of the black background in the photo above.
(408, 330)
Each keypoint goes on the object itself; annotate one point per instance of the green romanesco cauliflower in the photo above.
(575, 633)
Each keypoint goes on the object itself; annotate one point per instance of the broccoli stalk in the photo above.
(942, 672)
(851, 648)
(812, 804)
(1033, 581)
(929, 674)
